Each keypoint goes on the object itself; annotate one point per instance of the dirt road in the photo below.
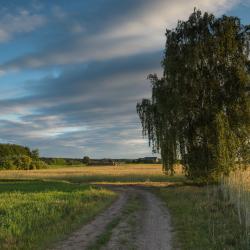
(136, 220)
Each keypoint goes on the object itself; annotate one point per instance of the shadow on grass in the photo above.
(33, 186)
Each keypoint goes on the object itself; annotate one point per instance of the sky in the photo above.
(71, 72)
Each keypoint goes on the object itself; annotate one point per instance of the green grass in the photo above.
(123, 179)
(34, 214)
(202, 220)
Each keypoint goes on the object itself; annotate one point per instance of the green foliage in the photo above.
(86, 160)
(61, 161)
(6, 163)
(38, 164)
(35, 154)
(58, 161)
(18, 157)
(21, 162)
(199, 111)
(13, 150)
(73, 162)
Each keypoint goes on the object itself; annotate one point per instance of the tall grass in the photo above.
(34, 214)
(236, 190)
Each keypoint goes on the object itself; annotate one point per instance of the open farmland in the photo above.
(123, 173)
(62, 199)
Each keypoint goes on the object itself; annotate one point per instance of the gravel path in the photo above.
(150, 228)
(81, 238)
(156, 230)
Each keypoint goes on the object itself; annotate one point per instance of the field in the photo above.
(35, 213)
(129, 173)
(62, 199)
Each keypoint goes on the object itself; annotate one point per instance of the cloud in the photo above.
(85, 107)
(138, 28)
(22, 21)
(100, 53)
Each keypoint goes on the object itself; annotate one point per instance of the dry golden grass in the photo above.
(122, 173)
(236, 188)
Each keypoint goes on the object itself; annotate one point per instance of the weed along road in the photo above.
(136, 220)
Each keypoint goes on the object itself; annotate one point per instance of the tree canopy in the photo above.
(199, 112)
(13, 150)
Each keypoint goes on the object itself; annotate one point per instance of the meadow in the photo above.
(34, 214)
(61, 199)
(213, 216)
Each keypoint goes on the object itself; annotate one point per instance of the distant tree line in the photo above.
(14, 156)
(199, 112)
(61, 161)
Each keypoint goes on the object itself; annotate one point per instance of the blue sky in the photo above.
(71, 72)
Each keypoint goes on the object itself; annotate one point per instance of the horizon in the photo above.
(72, 73)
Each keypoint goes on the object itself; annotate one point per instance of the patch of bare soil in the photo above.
(155, 232)
(81, 238)
(145, 227)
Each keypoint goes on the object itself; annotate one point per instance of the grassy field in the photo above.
(211, 217)
(33, 214)
(204, 217)
(124, 173)
(59, 199)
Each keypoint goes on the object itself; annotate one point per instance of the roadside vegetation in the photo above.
(210, 217)
(36, 213)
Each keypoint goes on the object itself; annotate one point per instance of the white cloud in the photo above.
(21, 22)
(143, 31)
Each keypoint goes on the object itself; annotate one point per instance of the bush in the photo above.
(7, 164)
(38, 164)
(21, 162)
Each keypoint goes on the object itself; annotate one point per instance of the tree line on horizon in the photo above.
(199, 111)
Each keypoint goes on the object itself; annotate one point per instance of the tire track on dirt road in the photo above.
(146, 228)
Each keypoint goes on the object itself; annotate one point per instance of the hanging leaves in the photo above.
(199, 112)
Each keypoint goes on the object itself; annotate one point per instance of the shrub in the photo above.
(38, 164)
(21, 162)
(7, 164)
